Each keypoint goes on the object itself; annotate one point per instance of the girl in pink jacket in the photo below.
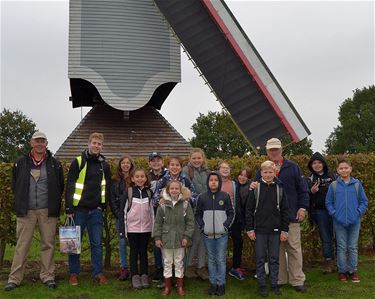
(138, 223)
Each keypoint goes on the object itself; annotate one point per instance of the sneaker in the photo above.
(73, 279)
(328, 266)
(101, 279)
(190, 272)
(136, 282)
(263, 292)
(354, 277)
(123, 274)
(51, 284)
(157, 275)
(276, 290)
(342, 277)
(203, 273)
(236, 273)
(242, 270)
(10, 286)
(160, 284)
(144, 281)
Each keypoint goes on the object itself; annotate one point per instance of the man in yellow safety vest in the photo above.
(87, 192)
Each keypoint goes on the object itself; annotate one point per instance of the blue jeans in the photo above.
(158, 257)
(216, 251)
(347, 247)
(93, 220)
(122, 246)
(325, 225)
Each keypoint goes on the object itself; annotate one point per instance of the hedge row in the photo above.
(363, 168)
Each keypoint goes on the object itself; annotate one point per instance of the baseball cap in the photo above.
(154, 155)
(273, 143)
(39, 134)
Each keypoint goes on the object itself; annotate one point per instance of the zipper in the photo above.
(140, 191)
(213, 215)
(346, 203)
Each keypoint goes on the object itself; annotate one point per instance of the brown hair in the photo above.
(248, 172)
(344, 161)
(96, 135)
(119, 175)
(199, 150)
(147, 183)
(174, 158)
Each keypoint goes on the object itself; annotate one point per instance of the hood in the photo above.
(208, 178)
(87, 155)
(317, 156)
(185, 194)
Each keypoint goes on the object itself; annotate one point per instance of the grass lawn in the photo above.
(318, 285)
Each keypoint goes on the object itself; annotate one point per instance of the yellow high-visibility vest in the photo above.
(81, 181)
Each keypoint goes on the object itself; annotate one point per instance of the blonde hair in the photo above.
(96, 136)
(199, 150)
(168, 186)
(268, 164)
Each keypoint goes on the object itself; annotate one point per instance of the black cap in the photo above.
(154, 155)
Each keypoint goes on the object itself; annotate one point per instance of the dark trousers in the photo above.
(158, 257)
(236, 235)
(138, 248)
(267, 245)
(325, 224)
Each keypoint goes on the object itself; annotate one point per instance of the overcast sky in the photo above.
(318, 51)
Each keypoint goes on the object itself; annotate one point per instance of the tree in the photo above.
(218, 136)
(356, 132)
(16, 130)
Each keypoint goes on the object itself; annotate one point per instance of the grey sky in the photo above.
(318, 51)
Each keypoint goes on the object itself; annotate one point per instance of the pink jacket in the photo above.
(140, 217)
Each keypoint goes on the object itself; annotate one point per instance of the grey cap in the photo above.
(39, 134)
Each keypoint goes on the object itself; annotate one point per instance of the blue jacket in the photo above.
(160, 185)
(295, 187)
(348, 206)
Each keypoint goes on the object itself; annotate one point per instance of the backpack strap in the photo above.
(279, 192)
(191, 172)
(256, 193)
(334, 185)
(185, 203)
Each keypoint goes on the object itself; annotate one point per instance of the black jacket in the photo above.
(242, 194)
(295, 187)
(267, 219)
(21, 184)
(117, 195)
(91, 194)
(214, 213)
(318, 199)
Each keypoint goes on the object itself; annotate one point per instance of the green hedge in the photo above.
(363, 169)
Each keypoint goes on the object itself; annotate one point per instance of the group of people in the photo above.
(189, 212)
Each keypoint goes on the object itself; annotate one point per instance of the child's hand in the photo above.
(184, 242)
(315, 188)
(251, 235)
(253, 185)
(283, 237)
(159, 243)
(161, 201)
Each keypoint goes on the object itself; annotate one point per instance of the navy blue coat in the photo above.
(295, 187)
